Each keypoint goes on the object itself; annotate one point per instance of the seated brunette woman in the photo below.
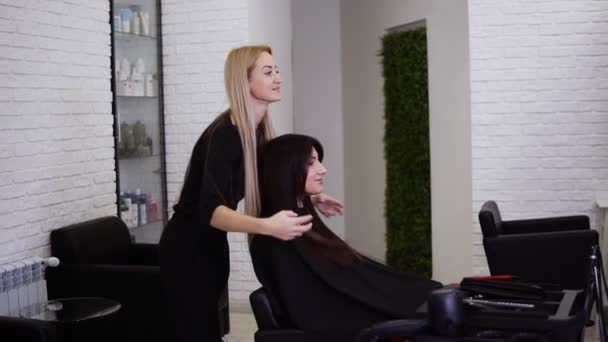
(324, 287)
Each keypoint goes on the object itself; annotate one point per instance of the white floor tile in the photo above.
(242, 327)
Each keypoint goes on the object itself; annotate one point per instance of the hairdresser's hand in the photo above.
(287, 225)
(327, 205)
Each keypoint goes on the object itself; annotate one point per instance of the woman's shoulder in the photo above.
(225, 134)
(222, 135)
(222, 128)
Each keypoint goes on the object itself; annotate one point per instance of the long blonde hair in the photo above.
(239, 64)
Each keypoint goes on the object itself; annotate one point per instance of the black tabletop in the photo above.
(71, 309)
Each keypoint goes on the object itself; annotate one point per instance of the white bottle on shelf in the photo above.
(126, 215)
(142, 204)
(137, 77)
(135, 23)
(145, 23)
(140, 66)
(149, 85)
(117, 23)
(123, 86)
(125, 19)
(134, 211)
(137, 84)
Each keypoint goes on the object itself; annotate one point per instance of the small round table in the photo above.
(76, 319)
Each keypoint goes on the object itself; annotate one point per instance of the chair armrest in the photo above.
(26, 330)
(143, 254)
(543, 225)
(262, 310)
(561, 258)
(401, 328)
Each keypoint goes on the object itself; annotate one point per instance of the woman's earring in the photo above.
(300, 204)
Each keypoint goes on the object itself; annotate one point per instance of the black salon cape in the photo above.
(329, 301)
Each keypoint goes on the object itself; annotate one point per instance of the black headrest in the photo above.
(490, 220)
(103, 240)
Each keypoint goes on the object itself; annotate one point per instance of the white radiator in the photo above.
(22, 284)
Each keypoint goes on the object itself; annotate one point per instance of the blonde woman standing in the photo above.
(194, 256)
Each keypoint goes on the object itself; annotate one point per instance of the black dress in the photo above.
(330, 302)
(194, 256)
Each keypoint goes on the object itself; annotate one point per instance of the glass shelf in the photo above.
(138, 116)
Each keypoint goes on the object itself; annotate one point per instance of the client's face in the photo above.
(316, 172)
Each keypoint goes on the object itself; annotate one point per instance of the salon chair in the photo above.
(553, 250)
(450, 319)
(99, 259)
(273, 325)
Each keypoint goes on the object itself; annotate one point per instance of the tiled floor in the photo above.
(592, 335)
(243, 326)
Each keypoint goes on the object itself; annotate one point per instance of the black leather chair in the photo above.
(273, 325)
(554, 250)
(98, 259)
(26, 330)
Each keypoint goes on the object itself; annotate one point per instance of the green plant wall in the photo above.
(407, 152)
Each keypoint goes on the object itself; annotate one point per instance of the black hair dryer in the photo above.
(447, 311)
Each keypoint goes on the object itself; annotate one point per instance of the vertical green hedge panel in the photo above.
(407, 152)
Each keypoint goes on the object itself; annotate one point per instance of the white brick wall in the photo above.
(197, 36)
(56, 144)
(539, 93)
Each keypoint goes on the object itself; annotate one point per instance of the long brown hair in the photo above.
(239, 64)
(283, 172)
